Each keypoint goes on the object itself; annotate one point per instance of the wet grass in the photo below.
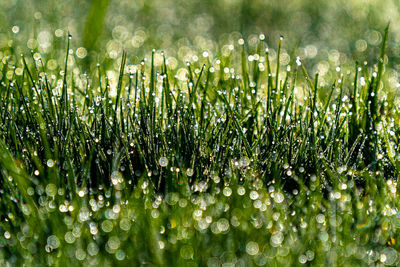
(242, 161)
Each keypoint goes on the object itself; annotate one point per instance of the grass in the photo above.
(237, 161)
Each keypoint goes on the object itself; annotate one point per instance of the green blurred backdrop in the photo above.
(314, 27)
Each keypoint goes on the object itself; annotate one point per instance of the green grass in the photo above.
(237, 161)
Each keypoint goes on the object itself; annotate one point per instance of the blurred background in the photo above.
(315, 30)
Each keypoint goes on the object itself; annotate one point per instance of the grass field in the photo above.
(247, 153)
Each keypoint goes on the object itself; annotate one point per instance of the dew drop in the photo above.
(279, 197)
(320, 218)
(80, 254)
(53, 241)
(241, 191)
(254, 195)
(163, 161)
(298, 62)
(189, 172)
(7, 235)
(244, 162)
(252, 248)
(51, 190)
(302, 259)
(277, 238)
(50, 163)
(390, 256)
(187, 252)
(113, 243)
(120, 255)
(93, 249)
(227, 191)
(69, 237)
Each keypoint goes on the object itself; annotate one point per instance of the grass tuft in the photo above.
(269, 164)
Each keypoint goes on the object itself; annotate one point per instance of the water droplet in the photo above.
(92, 249)
(223, 225)
(254, 195)
(51, 190)
(125, 224)
(50, 163)
(107, 226)
(252, 248)
(53, 241)
(244, 161)
(390, 256)
(382, 258)
(241, 191)
(277, 239)
(69, 237)
(113, 243)
(120, 255)
(279, 197)
(302, 259)
(323, 236)
(298, 62)
(84, 214)
(187, 252)
(163, 161)
(320, 218)
(189, 172)
(227, 191)
(80, 254)
(7, 235)
(310, 255)
(116, 178)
